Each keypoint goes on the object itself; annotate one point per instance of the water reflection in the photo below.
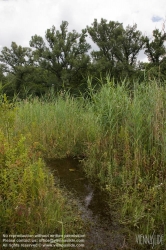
(91, 202)
(71, 175)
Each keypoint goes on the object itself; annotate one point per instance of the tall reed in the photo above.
(62, 126)
(129, 158)
(120, 133)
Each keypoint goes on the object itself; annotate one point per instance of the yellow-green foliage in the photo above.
(7, 114)
(129, 158)
(121, 133)
(62, 127)
(29, 201)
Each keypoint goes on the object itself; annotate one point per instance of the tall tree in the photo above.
(132, 41)
(155, 50)
(16, 61)
(2, 77)
(105, 36)
(118, 47)
(23, 74)
(63, 53)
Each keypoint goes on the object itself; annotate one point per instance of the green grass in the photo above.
(62, 126)
(129, 159)
(30, 199)
(121, 135)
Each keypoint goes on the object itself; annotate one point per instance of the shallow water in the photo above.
(103, 233)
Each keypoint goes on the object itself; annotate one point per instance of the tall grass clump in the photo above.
(120, 133)
(61, 125)
(29, 201)
(129, 158)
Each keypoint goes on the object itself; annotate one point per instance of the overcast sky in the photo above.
(21, 19)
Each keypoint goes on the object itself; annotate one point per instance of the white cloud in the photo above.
(20, 19)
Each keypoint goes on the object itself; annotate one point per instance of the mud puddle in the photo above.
(103, 232)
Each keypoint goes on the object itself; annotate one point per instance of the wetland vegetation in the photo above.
(118, 134)
(105, 108)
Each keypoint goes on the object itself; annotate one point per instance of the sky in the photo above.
(21, 19)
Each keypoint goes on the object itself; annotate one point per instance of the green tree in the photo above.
(17, 61)
(118, 47)
(63, 54)
(155, 50)
(23, 74)
(105, 36)
(131, 42)
(2, 76)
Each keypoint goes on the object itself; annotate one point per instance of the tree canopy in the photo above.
(118, 47)
(64, 59)
(63, 54)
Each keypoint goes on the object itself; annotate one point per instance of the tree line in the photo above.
(64, 60)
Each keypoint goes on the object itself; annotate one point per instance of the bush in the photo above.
(29, 201)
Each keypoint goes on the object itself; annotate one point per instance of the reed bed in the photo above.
(129, 159)
(62, 126)
(119, 134)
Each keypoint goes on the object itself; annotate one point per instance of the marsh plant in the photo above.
(28, 198)
(129, 158)
(118, 132)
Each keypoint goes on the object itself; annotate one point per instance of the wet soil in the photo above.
(103, 232)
